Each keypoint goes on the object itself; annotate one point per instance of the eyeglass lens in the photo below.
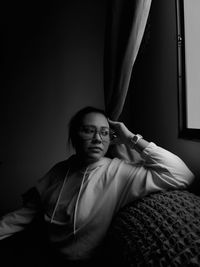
(88, 132)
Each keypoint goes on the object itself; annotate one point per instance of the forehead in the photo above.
(96, 119)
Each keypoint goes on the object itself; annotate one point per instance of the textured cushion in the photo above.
(162, 229)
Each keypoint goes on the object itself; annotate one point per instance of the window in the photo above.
(188, 50)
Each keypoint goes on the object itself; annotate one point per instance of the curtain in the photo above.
(125, 25)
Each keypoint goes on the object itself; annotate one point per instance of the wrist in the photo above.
(134, 139)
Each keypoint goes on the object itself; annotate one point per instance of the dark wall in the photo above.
(52, 58)
(153, 94)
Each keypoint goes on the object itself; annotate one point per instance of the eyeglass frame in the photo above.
(110, 136)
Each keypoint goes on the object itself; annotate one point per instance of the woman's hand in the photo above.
(121, 133)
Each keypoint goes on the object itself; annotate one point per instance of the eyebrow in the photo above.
(93, 126)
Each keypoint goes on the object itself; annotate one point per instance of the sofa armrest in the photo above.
(162, 229)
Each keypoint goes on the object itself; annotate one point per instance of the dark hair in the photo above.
(76, 120)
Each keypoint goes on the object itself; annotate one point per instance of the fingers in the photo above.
(113, 127)
(113, 122)
(115, 133)
(120, 134)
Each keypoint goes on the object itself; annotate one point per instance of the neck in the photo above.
(82, 162)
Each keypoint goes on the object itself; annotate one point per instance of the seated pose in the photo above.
(79, 196)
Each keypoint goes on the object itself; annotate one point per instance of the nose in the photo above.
(97, 137)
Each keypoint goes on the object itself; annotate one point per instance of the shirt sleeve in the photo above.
(159, 170)
(16, 221)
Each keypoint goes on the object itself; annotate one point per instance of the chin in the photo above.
(95, 156)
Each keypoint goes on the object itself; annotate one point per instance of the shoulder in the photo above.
(55, 173)
(125, 167)
(60, 166)
(114, 164)
(112, 161)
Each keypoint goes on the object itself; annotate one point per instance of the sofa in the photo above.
(162, 229)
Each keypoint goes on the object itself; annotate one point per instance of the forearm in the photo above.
(161, 168)
(15, 221)
(164, 164)
(167, 168)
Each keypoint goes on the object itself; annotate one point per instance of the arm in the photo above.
(16, 221)
(124, 136)
(159, 170)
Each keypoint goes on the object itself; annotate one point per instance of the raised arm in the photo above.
(159, 169)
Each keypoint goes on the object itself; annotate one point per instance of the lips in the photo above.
(95, 148)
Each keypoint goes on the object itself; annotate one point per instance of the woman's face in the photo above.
(93, 137)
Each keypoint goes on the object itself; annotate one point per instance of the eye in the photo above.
(105, 132)
(88, 130)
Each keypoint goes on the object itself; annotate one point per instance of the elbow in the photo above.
(174, 180)
(186, 178)
(189, 179)
(182, 174)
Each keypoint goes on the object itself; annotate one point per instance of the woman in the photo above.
(80, 195)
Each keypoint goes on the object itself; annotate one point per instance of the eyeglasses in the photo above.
(88, 132)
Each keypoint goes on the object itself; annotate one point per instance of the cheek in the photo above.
(82, 144)
(106, 146)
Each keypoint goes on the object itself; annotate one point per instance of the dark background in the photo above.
(51, 65)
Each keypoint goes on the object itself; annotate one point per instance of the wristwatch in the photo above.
(134, 140)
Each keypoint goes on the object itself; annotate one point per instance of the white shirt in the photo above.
(98, 193)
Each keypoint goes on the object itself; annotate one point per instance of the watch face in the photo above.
(135, 138)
